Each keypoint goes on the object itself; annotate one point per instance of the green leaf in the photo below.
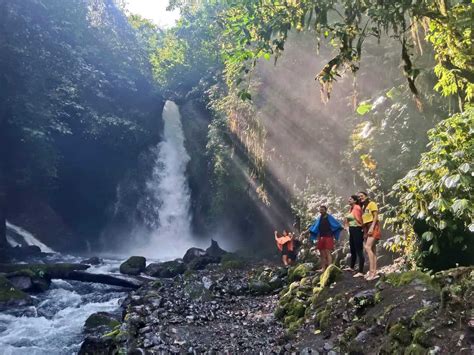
(267, 56)
(459, 206)
(428, 236)
(363, 108)
(452, 181)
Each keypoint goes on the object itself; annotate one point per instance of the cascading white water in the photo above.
(166, 205)
(17, 236)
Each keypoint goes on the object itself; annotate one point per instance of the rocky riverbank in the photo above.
(246, 306)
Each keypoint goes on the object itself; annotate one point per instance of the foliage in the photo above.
(437, 197)
(76, 103)
(307, 201)
(259, 29)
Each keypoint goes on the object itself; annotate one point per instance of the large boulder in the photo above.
(11, 296)
(101, 322)
(27, 280)
(133, 265)
(167, 269)
(193, 253)
(201, 262)
(215, 250)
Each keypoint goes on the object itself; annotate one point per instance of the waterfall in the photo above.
(17, 236)
(165, 207)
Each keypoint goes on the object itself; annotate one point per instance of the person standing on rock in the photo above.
(323, 232)
(353, 224)
(285, 245)
(372, 234)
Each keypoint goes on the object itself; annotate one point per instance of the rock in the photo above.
(331, 275)
(98, 345)
(215, 250)
(207, 282)
(28, 281)
(193, 253)
(11, 296)
(133, 265)
(101, 322)
(364, 299)
(167, 269)
(259, 287)
(298, 272)
(95, 260)
(400, 333)
(200, 263)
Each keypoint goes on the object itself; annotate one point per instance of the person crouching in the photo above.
(285, 244)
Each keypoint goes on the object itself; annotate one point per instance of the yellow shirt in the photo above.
(367, 216)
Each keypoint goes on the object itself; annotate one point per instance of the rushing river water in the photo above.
(53, 325)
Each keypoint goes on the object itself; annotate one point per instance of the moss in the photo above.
(296, 308)
(280, 312)
(400, 333)
(331, 275)
(42, 270)
(294, 326)
(100, 320)
(420, 315)
(323, 318)
(405, 278)
(421, 337)
(298, 272)
(415, 349)
(9, 293)
(348, 336)
(378, 297)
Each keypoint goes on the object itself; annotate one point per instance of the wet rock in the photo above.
(193, 253)
(200, 263)
(97, 345)
(215, 250)
(10, 296)
(133, 265)
(167, 269)
(28, 281)
(95, 260)
(101, 322)
(53, 271)
(259, 287)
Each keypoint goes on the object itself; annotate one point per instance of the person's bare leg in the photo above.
(329, 257)
(370, 254)
(374, 250)
(285, 260)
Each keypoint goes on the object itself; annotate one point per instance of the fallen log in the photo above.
(113, 280)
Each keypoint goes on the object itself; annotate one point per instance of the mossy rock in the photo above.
(133, 265)
(296, 308)
(259, 288)
(323, 318)
(280, 312)
(421, 337)
(406, 278)
(420, 316)
(232, 261)
(10, 296)
(167, 269)
(400, 333)
(294, 326)
(300, 271)
(415, 349)
(330, 275)
(101, 320)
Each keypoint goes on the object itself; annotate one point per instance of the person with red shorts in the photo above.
(323, 232)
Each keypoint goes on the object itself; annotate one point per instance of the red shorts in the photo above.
(325, 242)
